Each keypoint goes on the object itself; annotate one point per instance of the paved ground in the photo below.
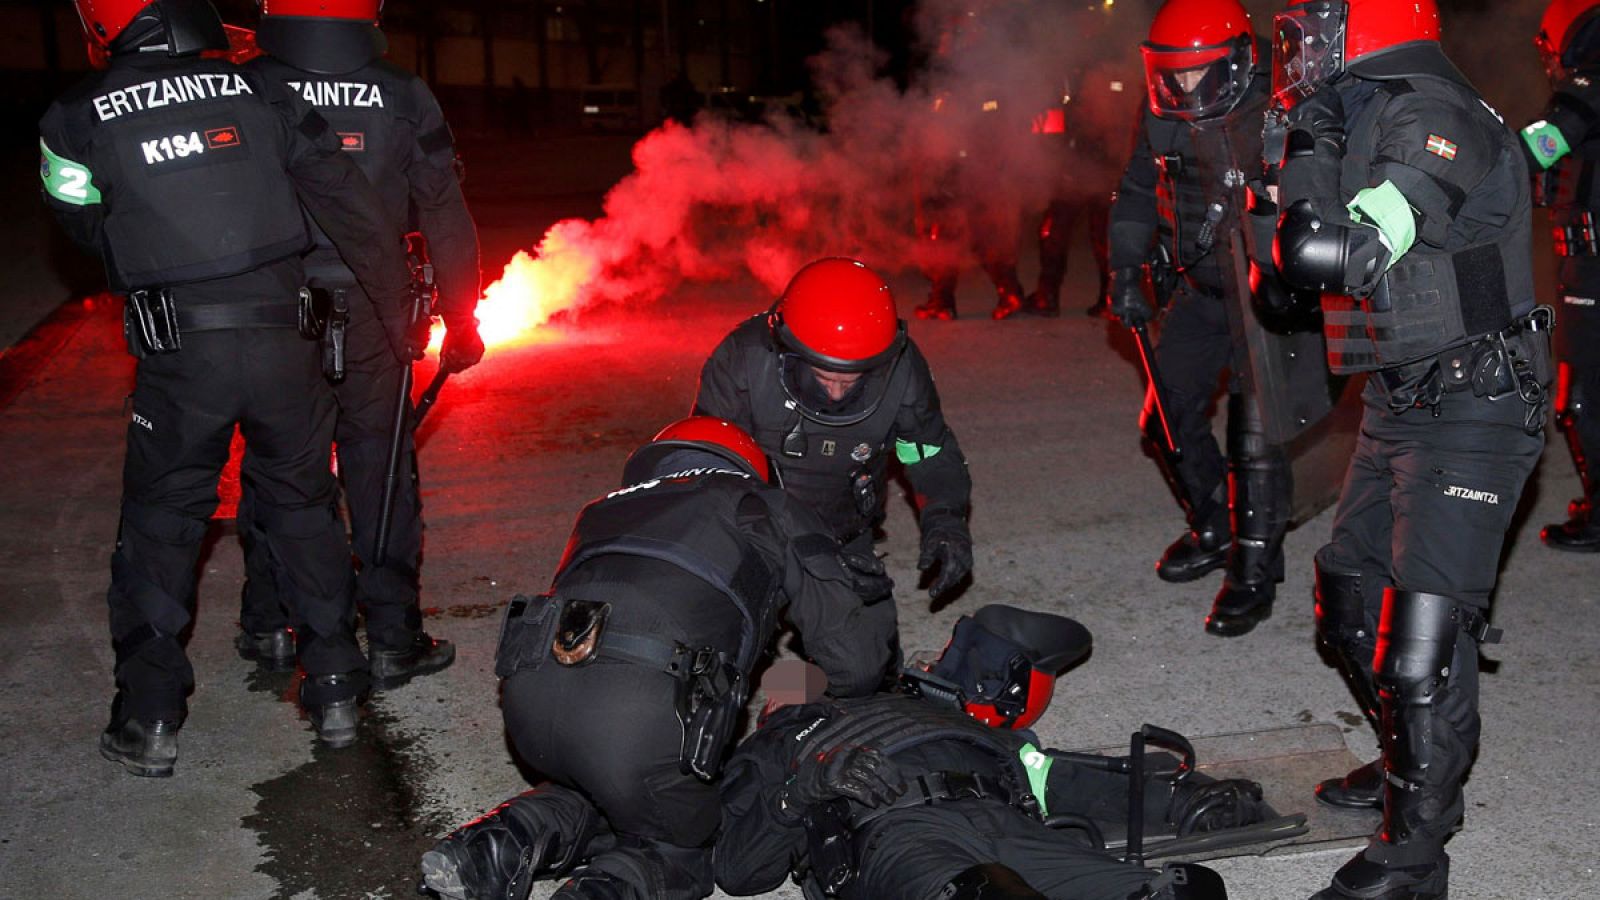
(1069, 517)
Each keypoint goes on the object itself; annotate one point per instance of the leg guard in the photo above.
(1053, 248)
(542, 833)
(642, 870)
(1430, 722)
(989, 881)
(1258, 502)
(1342, 626)
(1581, 531)
(1185, 881)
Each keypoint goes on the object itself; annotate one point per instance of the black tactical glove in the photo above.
(1127, 300)
(463, 346)
(861, 774)
(867, 576)
(946, 543)
(403, 341)
(1321, 117)
(1203, 805)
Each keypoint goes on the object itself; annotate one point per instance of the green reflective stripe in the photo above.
(1038, 767)
(1546, 142)
(909, 452)
(1388, 210)
(65, 180)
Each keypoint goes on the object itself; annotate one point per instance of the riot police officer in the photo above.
(828, 382)
(1185, 192)
(183, 172)
(1563, 147)
(624, 683)
(940, 793)
(1406, 204)
(388, 123)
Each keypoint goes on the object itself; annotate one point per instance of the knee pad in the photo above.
(989, 881)
(1185, 881)
(1416, 643)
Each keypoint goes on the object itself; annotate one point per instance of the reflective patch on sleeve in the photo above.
(1546, 142)
(1385, 208)
(1037, 766)
(66, 180)
(909, 452)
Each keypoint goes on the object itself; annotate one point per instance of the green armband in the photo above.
(1546, 142)
(909, 452)
(65, 180)
(1385, 208)
(1037, 765)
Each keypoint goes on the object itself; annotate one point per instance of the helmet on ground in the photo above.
(328, 37)
(1569, 33)
(837, 314)
(186, 26)
(1316, 41)
(1001, 664)
(707, 434)
(1198, 58)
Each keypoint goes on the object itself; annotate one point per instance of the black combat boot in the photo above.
(333, 704)
(535, 834)
(1360, 788)
(1580, 533)
(426, 655)
(1202, 549)
(1363, 879)
(1245, 600)
(148, 749)
(1258, 502)
(271, 650)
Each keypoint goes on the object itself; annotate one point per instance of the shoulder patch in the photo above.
(1441, 147)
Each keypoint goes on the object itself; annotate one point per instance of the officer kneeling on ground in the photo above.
(624, 684)
(187, 176)
(828, 382)
(937, 793)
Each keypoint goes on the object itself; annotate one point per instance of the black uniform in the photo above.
(1452, 422)
(183, 173)
(1564, 144)
(389, 124)
(990, 790)
(838, 462)
(1184, 188)
(703, 561)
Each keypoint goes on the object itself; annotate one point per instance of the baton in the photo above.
(1147, 356)
(391, 472)
(430, 396)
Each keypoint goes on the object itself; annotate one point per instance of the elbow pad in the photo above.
(1314, 254)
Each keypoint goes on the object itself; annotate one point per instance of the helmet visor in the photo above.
(1307, 49)
(833, 397)
(1195, 83)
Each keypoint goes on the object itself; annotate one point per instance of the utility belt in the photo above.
(153, 322)
(710, 694)
(1577, 237)
(1516, 360)
(831, 827)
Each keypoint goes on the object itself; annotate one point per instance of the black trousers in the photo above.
(1192, 349)
(912, 854)
(1425, 508)
(1055, 233)
(184, 407)
(609, 730)
(387, 594)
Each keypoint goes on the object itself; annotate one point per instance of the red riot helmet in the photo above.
(706, 433)
(1316, 41)
(1001, 664)
(1568, 35)
(839, 316)
(327, 37)
(1198, 59)
(186, 26)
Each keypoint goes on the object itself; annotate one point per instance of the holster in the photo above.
(150, 322)
(335, 306)
(711, 695)
(830, 845)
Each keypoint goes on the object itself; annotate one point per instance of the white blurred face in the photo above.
(835, 384)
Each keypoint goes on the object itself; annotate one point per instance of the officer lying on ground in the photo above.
(623, 685)
(907, 797)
